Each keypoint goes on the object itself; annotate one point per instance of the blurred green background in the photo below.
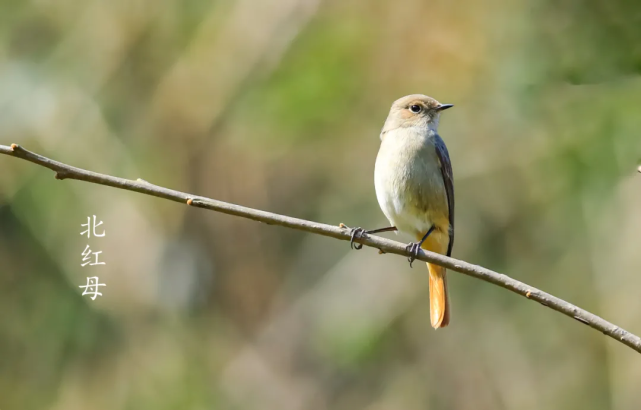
(278, 105)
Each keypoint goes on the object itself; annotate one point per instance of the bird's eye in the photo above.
(415, 108)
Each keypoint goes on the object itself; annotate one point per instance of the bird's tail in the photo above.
(439, 303)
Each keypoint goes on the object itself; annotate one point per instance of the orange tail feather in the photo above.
(439, 303)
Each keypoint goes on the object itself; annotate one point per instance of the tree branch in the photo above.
(64, 171)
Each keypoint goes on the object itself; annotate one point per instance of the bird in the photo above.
(415, 188)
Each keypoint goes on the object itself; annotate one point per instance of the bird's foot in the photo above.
(356, 233)
(359, 233)
(413, 248)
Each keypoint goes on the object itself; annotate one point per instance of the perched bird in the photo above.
(415, 188)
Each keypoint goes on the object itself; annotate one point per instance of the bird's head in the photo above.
(414, 110)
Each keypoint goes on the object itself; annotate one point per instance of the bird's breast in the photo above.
(409, 184)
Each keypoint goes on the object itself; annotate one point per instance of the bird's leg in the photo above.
(359, 232)
(413, 247)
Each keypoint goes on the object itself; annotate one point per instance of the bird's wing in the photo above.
(448, 180)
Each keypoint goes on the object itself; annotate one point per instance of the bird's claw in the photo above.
(413, 248)
(356, 233)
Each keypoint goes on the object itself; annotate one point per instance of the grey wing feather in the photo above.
(448, 180)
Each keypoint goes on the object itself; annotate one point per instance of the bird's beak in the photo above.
(444, 107)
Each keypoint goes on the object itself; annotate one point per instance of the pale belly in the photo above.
(409, 186)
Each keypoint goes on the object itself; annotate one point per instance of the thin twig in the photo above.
(64, 171)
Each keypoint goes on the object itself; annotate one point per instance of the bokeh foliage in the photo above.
(278, 105)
